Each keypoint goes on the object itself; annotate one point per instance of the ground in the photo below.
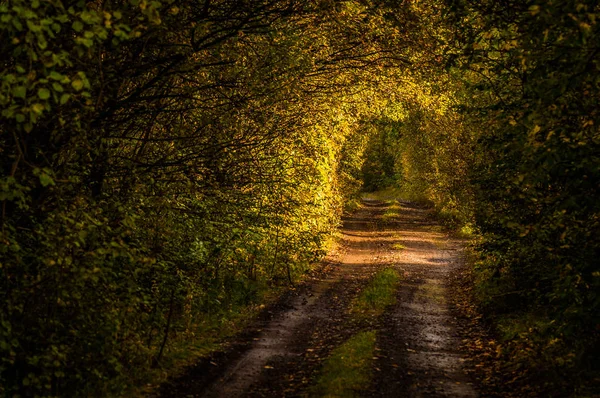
(418, 350)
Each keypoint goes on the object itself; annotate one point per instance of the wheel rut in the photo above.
(418, 341)
(419, 337)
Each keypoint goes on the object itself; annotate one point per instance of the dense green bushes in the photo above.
(533, 73)
(165, 162)
(537, 184)
(502, 137)
(162, 161)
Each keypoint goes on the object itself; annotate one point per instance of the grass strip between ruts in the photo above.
(348, 369)
(379, 294)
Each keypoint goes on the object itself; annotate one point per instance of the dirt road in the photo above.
(418, 339)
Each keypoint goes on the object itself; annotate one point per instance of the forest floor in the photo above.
(418, 345)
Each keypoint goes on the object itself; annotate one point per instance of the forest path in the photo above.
(418, 339)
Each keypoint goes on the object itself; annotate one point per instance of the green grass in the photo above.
(394, 193)
(377, 295)
(432, 292)
(393, 211)
(203, 337)
(352, 205)
(348, 370)
(398, 246)
(384, 194)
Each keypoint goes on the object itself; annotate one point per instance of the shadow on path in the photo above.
(283, 351)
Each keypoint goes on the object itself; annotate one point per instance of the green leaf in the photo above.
(33, 27)
(77, 26)
(55, 76)
(86, 42)
(42, 43)
(86, 17)
(17, 24)
(44, 176)
(37, 108)
(64, 98)
(46, 180)
(57, 87)
(77, 84)
(19, 92)
(44, 93)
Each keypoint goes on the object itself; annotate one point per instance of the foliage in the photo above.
(532, 75)
(499, 132)
(378, 166)
(166, 162)
(428, 151)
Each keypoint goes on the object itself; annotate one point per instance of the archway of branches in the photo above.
(166, 160)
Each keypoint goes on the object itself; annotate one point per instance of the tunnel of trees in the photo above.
(167, 162)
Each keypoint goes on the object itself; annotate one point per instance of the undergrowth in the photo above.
(523, 351)
(200, 339)
(352, 205)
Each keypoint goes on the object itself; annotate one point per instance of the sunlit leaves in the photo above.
(165, 160)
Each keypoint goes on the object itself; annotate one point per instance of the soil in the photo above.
(419, 339)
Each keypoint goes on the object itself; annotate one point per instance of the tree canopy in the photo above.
(167, 161)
